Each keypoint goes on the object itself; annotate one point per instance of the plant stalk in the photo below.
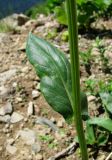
(75, 74)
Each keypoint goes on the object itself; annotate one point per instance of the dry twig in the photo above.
(109, 156)
(66, 152)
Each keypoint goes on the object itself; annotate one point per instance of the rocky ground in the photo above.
(29, 128)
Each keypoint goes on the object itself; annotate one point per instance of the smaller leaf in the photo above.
(89, 134)
(105, 123)
(107, 101)
(102, 139)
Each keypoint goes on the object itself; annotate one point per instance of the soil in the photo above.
(21, 84)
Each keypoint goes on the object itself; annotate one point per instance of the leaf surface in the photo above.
(105, 123)
(54, 71)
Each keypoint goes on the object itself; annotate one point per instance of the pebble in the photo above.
(39, 157)
(30, 110)
(16, 117)
(60, 123)
(5, 118)
(45, 121)
(19, 99)
(3, 91)
(36, 148)
(25, 69)
(35, 94)
(28, 136)
(6, 109)
(91, 98)
(14, 85)
(11, 149)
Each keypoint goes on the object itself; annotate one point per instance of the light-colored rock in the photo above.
(22, 48)
(19, 99)
(91, 98)
(11, 149)
(60, 123)
(4, 76)
(35, 94)
(39, 157)
(3, 91)
(28, 136)
(16, 117)
(5, 119)
(30, 110)
(6, 109)
(14, 84)
(36, 148)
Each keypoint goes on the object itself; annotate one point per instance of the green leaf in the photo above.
(105, 123)
(107, 101)
(89, 134)
(102, 139)
(54, 71)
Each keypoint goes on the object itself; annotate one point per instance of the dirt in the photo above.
(20, 86)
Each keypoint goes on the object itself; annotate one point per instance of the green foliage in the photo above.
(46, 8)
(107, 101)
(88, 11)
(53, 69)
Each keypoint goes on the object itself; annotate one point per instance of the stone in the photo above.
(60, 123)
(6, 109)
(3, 91)
(28, 136)
(35, 94)
(39, 157)
(91, 98)
(5, 119)
(22, 48)
(16, 117)
(36, 148)
(19, 99)
(4, 76)
(11, 149)
(14, 84)
(45, 121)
(30, 110)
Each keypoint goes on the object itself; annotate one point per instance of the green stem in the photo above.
(75, 73)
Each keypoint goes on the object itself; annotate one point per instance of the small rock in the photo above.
(28, 136)
(36, 148)
(19, 99)
(14, 84)
(16, 117)
(91, 98)
(60, 123)
(7, 126)
(53, 119)
(22, 48)
(4, 91)
(4, 76)
(25, 69)
(39, 157)
(45, 121)
(6, 109)
(30, 110)
(11, 149)
(5, 118)
(35, 94)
